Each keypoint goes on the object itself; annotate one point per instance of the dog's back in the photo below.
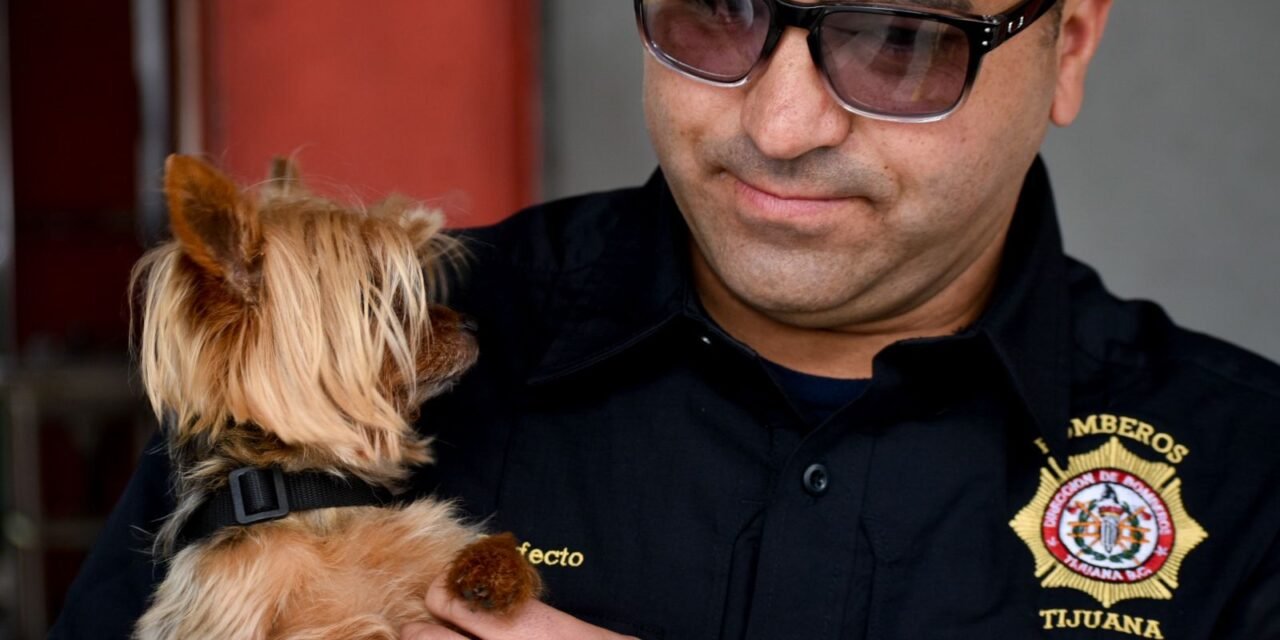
(287, 333)
(341, 573)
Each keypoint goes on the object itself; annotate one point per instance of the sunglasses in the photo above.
(887, 63)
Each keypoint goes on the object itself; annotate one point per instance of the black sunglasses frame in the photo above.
(984, 34)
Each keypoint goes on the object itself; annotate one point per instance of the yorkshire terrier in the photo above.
(284, 335)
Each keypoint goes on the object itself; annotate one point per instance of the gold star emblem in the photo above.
(1112, 525)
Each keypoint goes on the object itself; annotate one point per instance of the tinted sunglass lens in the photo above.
(718, 40)
(895, 65)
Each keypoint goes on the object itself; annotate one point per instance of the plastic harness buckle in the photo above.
(258, 494)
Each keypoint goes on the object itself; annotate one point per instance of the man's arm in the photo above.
(113, 586)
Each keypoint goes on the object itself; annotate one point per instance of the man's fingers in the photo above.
(521, 623)
(425, 631)
(532, 620)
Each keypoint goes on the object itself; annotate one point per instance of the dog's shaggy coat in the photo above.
(282, 330)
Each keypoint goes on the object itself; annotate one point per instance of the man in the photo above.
(829, 375)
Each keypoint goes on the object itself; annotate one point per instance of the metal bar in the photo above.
(151, 70)
(23, 525)
(6, 203)
(14, 562)
(189, 59)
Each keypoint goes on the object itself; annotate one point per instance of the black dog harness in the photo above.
(254, 495)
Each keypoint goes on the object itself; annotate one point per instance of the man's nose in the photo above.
(788, 110)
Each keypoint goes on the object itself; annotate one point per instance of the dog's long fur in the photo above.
(280, 329)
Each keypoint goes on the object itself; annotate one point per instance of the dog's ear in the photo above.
(285, 178)
(421, 224)
(216, 226)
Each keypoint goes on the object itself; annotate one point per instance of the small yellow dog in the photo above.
(284, 336)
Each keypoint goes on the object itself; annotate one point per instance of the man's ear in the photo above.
(1083, 22)
(216, 226)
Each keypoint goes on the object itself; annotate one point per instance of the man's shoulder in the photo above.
(555, 236)
(1140, 333)
(519, 278)
(1137, 357)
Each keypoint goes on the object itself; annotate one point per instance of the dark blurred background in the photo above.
(1168, 183)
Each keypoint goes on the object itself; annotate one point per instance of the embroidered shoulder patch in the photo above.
(1111, 525)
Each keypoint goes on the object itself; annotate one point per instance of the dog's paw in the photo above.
(491, 574)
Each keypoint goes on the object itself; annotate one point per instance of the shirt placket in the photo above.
(809, 547)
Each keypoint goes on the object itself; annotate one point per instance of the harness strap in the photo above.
(255, 495)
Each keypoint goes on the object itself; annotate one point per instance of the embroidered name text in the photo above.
(552, 557)
(1076, 619)
(1132, 428)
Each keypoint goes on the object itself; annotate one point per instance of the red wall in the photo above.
(436, 99)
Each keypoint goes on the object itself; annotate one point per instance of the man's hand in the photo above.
(531, 621)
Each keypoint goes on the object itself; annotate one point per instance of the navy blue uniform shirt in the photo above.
(1071, 466)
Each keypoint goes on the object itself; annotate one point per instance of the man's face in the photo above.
(818, 217)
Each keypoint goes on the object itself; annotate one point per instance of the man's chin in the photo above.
(793, 304)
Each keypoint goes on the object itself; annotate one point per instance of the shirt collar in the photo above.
(1028, 321)
(641, 283)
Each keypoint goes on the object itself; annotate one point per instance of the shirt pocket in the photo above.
(926, 586)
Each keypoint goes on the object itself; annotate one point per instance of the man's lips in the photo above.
(768, 203)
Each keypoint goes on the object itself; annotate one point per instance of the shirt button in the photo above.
(816, 479)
